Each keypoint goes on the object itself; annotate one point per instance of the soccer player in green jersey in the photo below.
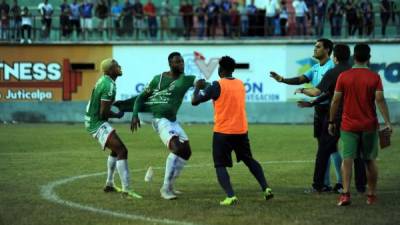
(162, 97)
(98, 111)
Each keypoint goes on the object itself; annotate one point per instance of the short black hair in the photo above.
(328, 44)
(341, 52)
(362, 52)
(172, 55)
(227, 64)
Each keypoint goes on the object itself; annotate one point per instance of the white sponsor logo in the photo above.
(31, 71)
(29, 95)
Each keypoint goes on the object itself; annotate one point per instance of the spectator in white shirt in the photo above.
(271, 13)
(300, 9)
(46, 11)
(283, 18)
(26, 22)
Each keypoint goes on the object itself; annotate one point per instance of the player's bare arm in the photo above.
(197, 96)
(291, 81)
(382, 106)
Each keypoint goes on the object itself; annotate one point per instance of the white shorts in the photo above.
(167, 130)
(87, 23)
(103, 133)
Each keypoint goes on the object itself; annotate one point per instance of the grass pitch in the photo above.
(63, 163)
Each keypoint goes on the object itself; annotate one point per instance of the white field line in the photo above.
(48, 193)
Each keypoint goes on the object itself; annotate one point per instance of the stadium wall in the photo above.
(52, 83)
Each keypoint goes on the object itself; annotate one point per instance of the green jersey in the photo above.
(104, 90)
(163, 96)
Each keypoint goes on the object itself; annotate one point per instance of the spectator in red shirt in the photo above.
(360, 88)
(150, 11)
(235, 20)
(186, 11)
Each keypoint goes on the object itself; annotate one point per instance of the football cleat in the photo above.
(371, 199)
(114, 188)
(268, 194)
(229, 201)
(167, 194)
(130, 195)
(344, 199)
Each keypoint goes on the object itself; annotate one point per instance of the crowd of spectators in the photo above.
(206, 19)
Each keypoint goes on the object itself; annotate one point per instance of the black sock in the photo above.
(224, 181)
(257, 171)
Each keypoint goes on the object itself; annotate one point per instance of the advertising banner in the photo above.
(140, 64)
(254, 64)
(68, 72)
(49, 73)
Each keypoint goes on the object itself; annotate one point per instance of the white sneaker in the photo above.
(29, 41)
(167, 194)
(22, 41)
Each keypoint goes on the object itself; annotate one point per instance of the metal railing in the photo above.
(174, 27)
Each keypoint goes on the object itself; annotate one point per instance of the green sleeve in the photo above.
(191, 80)
(142, 97)
(108, 92)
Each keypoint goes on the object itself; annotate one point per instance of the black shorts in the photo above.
(223, 144)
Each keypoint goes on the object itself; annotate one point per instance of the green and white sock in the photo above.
(111, 164)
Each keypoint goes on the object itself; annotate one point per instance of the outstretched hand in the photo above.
(135, 123)
(304, 104)
(276, 76)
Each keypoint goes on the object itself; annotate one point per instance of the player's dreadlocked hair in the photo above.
(172, 55)
(227, 64)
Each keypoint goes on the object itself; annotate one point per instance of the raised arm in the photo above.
(211, 92)
(291, 81)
